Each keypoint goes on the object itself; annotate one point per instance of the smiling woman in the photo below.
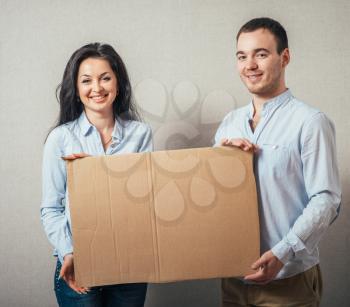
(97, 86)
(97, 117)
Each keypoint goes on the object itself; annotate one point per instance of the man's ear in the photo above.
(285, 57)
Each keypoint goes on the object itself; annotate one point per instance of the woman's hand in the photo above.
(75, 156)
(67, 274)
(243, 144)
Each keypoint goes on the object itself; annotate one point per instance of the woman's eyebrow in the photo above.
(87, 75)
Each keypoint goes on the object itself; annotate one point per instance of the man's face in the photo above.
(260, 67)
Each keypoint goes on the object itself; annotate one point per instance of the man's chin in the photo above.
(255, 90)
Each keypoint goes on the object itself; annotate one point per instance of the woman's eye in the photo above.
(106, 78)
(85, 81)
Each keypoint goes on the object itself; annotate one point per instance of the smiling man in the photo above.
(295, 170)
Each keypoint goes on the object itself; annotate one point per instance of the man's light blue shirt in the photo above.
(76, 137)
(296, 174)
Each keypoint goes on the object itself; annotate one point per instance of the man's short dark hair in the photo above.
(273, 26)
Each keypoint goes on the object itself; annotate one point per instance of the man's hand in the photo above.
(67, 274)
(267, 267)
(75, 156)
(243, 144)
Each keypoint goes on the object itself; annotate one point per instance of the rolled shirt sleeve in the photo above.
(322, 183)
(53, 211)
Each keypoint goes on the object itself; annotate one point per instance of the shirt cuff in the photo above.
(288, 247)
(283, 251)
(64, 250)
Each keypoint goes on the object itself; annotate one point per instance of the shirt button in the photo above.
(113, 145)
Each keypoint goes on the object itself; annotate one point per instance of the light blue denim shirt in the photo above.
(296, 174)
(76, 137)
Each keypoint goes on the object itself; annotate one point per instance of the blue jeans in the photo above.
(123, 295)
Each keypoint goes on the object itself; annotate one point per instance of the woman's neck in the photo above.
(104, 123)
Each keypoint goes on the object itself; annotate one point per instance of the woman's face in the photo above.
(97, 85)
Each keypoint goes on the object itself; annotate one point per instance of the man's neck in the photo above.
(260, 100)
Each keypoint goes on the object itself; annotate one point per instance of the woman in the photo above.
(97, 117)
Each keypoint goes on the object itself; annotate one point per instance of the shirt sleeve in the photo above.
(147, 143)
(53, 213)
(322, 183)
(221, 133)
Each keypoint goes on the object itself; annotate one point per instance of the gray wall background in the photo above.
(169, 42)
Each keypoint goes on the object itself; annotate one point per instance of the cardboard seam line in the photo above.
(154, 224)
(96, 227)
(70, 183)
(115, 239)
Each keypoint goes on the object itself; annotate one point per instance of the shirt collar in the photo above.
(86, 126)
(117, 133)
(272, 103)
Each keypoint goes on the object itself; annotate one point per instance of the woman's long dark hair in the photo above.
(67, 95)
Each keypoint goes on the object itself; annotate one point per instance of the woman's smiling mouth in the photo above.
(99, 98)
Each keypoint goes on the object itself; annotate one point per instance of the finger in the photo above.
(237, 143)
(63, 271)
(259, 263)
(69, 158)
(258, 276)
(223, 142)
(248, 143)
(81, 155)
(82, 290)
(73, 286)
(245, 147)
(75, 156)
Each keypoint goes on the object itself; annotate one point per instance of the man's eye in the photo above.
(261, 55)
(241, 57)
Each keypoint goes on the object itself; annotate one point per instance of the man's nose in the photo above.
(251, 63)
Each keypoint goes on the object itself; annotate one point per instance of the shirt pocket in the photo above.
(275, 160)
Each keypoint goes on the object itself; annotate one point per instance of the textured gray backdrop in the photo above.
(180, 55)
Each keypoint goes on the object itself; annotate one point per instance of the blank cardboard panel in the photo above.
(163, 216)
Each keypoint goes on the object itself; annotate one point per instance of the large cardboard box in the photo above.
(163, 216)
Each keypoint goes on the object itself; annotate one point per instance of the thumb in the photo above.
(62, 272)
(81, 155)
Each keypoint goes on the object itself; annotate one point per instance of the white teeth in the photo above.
(97, 97)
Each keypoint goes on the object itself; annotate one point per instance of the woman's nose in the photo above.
(96, 86)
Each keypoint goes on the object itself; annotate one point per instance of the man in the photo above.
(296, 174)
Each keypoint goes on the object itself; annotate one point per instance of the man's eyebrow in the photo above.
(261, 49)
(255, 51)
